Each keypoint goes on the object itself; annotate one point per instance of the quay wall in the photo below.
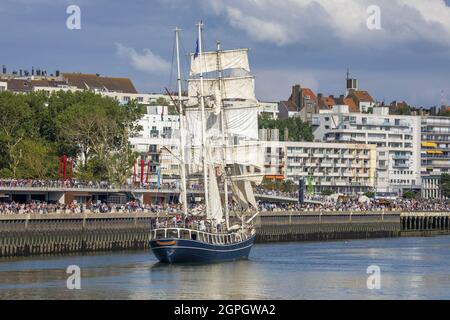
(327, 226)
(22, 235)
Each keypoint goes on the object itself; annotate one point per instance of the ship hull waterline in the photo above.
(190, 251)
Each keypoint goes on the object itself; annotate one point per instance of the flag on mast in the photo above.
(197, 50)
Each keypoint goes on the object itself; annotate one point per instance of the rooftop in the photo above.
(96, 82)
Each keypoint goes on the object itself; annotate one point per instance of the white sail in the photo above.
(233, 88)
(242, 189)
(242, 120)
(242, 146)
(229, 59)
(215, 201)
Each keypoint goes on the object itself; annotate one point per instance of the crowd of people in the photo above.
(354, 204)
(78, 184)
(39, 207)
(312, 202)
(349, 204)
(104, 185)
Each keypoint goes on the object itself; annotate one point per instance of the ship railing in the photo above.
(198, 235)
(191, 226)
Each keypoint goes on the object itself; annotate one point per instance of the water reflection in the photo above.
(412, 268)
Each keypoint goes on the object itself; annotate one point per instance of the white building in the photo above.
(3, 86)
(160, 133)
(397, 139)
(269, 109)
(340, 168)
(435, 155)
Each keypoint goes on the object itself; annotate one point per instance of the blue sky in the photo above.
(310, 42)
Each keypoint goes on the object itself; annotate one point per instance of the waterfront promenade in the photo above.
(28, 234)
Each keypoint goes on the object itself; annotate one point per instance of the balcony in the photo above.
(332, 155)
(400, 157)
(326, 164)
(401, 165)
(318, 155)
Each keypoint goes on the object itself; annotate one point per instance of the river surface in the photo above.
(410, 268)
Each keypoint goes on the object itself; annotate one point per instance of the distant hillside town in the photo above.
(356, 143)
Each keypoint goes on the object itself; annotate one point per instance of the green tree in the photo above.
(36, 128)
(445, 185)
(445, 113)
(100, 130)
(16, 123)
(370, 194)
(298, 130)
(403, 109)
(409, 194)
(39, 160)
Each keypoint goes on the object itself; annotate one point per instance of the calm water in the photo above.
(411, 268)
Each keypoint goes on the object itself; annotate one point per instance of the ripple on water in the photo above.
(411, 268)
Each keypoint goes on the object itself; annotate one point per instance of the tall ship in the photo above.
(220, 152)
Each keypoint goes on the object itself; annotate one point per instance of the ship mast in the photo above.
(224, 138)
(202, 106)
(182, 129)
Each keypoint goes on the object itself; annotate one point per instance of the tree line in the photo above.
(298, 130)
(37, 128)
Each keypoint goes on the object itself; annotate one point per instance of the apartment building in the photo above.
(435, 154)
(157, 143)
(396, 137)
(268, 109)
(274, 154)
(341, 168)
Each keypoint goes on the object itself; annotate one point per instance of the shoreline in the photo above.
(27, 235)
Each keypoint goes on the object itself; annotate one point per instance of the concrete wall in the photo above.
(65, 233)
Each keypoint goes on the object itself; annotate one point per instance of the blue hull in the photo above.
(191, 251)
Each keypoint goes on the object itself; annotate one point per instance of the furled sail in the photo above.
(229, 59)
(215, 201)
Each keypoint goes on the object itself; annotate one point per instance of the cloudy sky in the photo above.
(310, 42)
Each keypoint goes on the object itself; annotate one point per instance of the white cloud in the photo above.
(297, 21)
(147, 61)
